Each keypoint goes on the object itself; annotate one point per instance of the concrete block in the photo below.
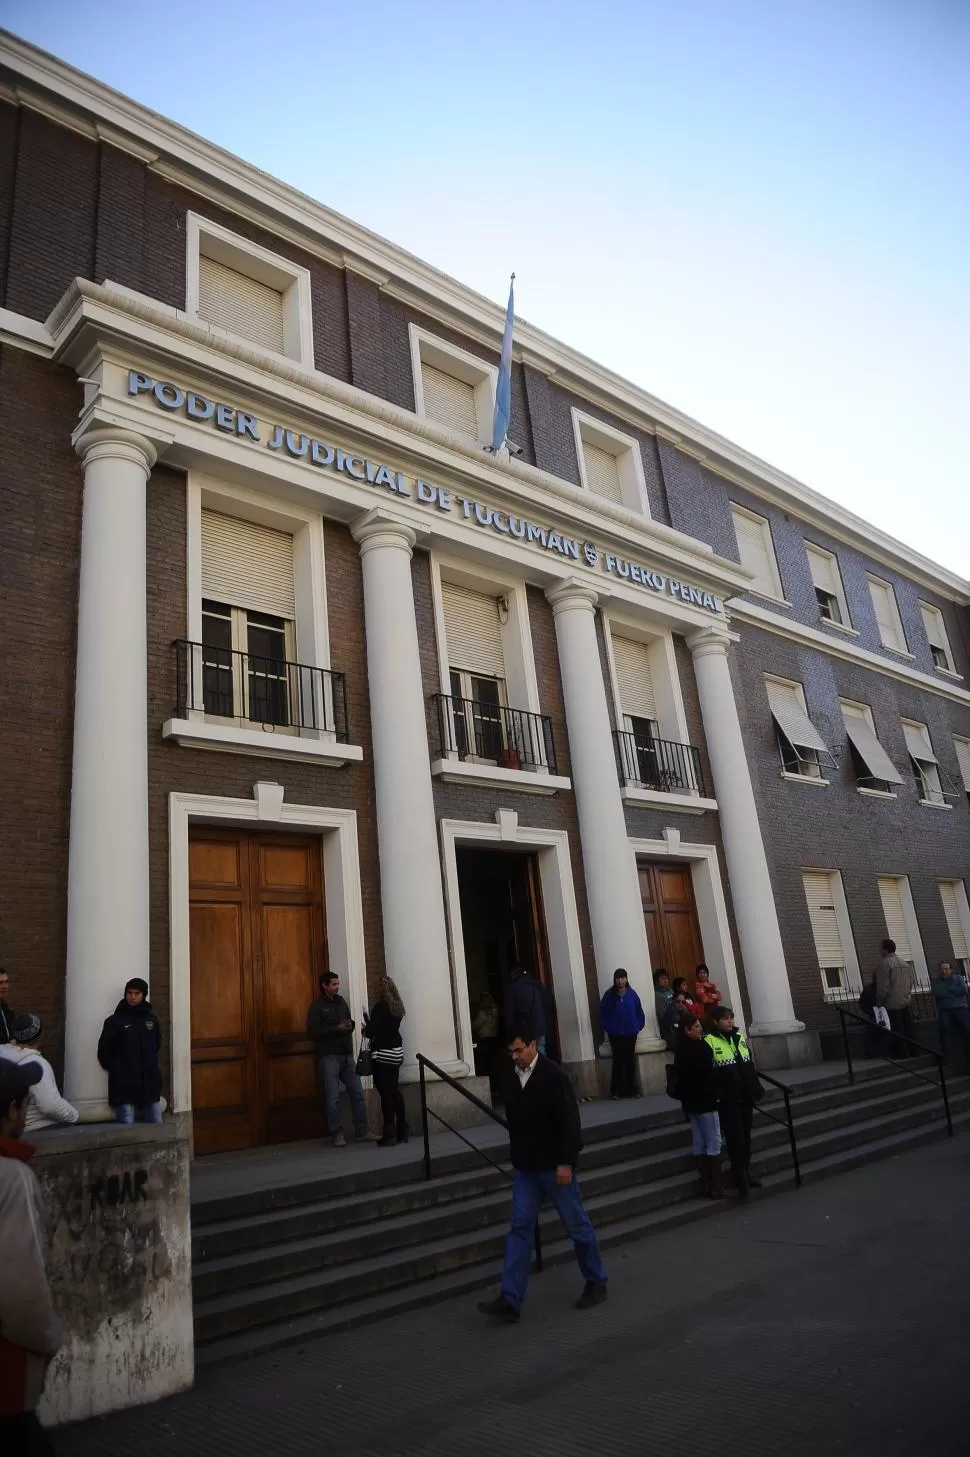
(786, 1049)
(119, 1258)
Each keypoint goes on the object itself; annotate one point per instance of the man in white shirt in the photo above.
(46, 1107)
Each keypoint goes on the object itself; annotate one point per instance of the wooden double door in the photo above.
(670, 913)
(257, 947)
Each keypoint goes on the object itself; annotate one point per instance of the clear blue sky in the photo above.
(758, 210)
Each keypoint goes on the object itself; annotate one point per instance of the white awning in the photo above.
(919, 745)
(793, 721)
(871, 751)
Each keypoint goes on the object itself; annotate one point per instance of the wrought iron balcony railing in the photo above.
(252, 690)
(644, 762)
(509, 737)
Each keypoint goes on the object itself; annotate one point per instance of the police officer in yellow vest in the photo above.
(738, 1089)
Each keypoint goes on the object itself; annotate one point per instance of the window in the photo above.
(610, 464)
(937, 638)
(802, 748)
(893, 892)
(828, 914)
(874, 769)
(926, 768)
(953, 893)
(757, 553)
(476, 669)
(251, 293)
(248, 621)
(827, 581)
(962, 747)
(452, 386)
(638, 740)
(887, 616)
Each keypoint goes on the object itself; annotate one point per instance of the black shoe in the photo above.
(743, 1192)
(754, 1183)
(402, 1134)
(500, 1308)
(388, 1141)
(594, 1294)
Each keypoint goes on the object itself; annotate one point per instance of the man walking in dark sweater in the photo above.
(545, 1137)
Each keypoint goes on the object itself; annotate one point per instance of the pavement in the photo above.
(829, 1320)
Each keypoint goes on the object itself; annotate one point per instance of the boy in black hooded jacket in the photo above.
(128, 1051)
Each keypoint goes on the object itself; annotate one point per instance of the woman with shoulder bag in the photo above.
(695, 1086)
(382, 1027)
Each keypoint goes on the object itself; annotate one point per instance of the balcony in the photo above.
(489, 743)
(245, 703)
(659, 767)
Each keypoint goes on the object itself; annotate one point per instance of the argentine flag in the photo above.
(503, 390)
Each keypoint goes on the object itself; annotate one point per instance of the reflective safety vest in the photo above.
(728, 1051)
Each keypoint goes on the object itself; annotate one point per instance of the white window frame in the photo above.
(875, 581)
(912, 924)
(587, 430)
(239, 644)
(796, 776)
(762, 521)
(812, 547)
(928, 610)
(963, 911)
(866, 713)
(291, 279)
(450, 359)
(852, 980)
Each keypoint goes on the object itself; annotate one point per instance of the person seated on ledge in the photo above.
(45, 1106)
(128, 1052)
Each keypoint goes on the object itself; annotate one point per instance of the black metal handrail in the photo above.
(253, 689)
(511, 737)
(644, 762)
(938, 1058)
(786, 1122)
(425, 1062)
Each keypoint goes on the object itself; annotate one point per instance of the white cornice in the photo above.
(25, 333)
(237, 185)
(741, 610)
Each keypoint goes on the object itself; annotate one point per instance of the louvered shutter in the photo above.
(473, 631)
(602, 472)
(884, 602)
(634, 679)
(918, 743)
(825, 925)
(890, 893)
(791, 718)
(825, 573)
(756, 553)
(245, 565)
(863, 738)
(242, 305)
(962, 747)
(949, 893)
(450, 401)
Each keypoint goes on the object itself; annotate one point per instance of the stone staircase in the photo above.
(302, 1259)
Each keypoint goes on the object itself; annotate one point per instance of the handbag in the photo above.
(673, 1082)
(365, 1061)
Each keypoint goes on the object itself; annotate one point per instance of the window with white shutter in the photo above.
(820, 893)
(247, 565)
(757, 552)
(250, 292)
(827, 580)
(242, 305)
(473, 631)
(800, 744)
(887, 615)
(610, 464)
(953, 894)
(451, 386)
(450, 401)
(962, 747)
(891, 895)
(936, 637)
(602, 472)
(926, 766)
(874, 768)
(634, 679)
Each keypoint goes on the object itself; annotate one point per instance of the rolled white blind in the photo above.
(890, 893)
(791, 718)
(602, 472)
(950, 895)
(448, 400)
(633, 676)
(821, 910)
(825, 573)
(884, 602)
(473, 631)
(935, 634)
(757, 554)
(246, 565)
(240, 304)
(962, 747)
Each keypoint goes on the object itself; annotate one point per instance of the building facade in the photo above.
(298, 674)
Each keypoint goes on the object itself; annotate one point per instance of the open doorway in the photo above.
(503, 926)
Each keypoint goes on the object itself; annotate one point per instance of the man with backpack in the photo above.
(528, 1004)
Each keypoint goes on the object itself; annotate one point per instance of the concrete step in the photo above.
(443, 1286)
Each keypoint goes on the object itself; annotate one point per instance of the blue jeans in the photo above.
(337, 1068)
(147, 1113)
(528, 1192)
(706, 1130)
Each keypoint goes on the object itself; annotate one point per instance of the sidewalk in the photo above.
(833, 1320)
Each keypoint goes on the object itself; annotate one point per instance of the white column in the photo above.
(754, 903)
(609, 864)
(107, 883)
(415, 940)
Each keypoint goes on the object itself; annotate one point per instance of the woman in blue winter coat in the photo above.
(623, 1020)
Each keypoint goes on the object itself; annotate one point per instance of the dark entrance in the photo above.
(503, 926)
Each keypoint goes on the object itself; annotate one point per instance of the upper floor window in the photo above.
(610, 463)
(802, 748)
(937, 638)
(887, 615)
(926, 767)
(962, 747)
(251, 293)
(452, 386)
(757, 552)
(953, 894)
(874, 769)
(827, 580)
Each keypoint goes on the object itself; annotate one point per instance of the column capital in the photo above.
(381, 528)
(107, 442)
(570, 595)
(709, 642)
